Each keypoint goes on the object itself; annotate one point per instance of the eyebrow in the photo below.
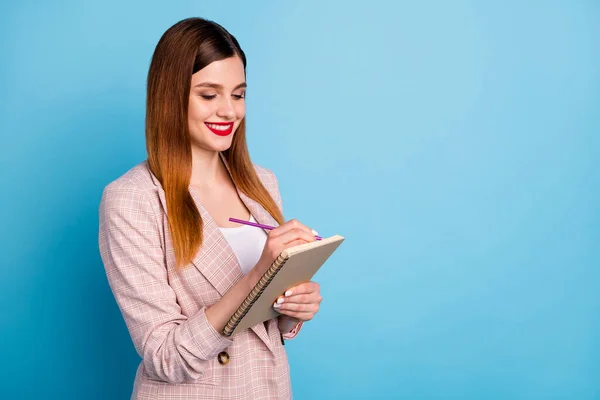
(217, 86)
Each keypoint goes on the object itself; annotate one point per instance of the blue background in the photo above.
(454, 144)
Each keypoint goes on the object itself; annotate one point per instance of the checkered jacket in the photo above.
(164, 310)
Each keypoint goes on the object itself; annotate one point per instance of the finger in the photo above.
(302, 316)
(311, 298)
(289, 225)
(293, 235)
(294, 223)
(304, 307)
(303, 288)
(286, 226)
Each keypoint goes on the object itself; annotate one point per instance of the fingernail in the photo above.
(315, 232)
(276, 305)
(280, 300)
(288, 293)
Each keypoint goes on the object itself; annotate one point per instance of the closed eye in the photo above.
(210, 97)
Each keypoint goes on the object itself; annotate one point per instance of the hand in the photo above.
(300, 302)
(288, 234)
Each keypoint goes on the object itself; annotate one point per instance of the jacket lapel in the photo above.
(216, 260)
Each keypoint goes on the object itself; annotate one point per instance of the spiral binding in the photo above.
(258, 289)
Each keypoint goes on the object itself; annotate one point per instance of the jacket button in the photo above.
(223, 358)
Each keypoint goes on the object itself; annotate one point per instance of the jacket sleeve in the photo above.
(291, 330)
(174, 348)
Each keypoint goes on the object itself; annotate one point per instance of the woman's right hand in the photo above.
(288, 234)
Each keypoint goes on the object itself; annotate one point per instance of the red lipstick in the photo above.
(220, 128)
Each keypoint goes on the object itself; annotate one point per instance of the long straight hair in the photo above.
(185, 48)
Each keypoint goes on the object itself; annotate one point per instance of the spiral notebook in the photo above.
(294, 265)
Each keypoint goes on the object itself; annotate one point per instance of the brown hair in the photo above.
(185, 48)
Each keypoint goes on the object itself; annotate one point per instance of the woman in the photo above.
(176, 265)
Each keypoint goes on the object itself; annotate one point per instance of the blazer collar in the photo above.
(224, 271)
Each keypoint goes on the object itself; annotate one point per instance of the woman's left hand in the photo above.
(300, 302)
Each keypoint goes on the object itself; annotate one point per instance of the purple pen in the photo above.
(239, 221)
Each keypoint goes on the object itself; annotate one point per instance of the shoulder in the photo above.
(267, 177)
(132, 189)
(263, 172)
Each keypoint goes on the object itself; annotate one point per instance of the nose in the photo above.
(226, 109)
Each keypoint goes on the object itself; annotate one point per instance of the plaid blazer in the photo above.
(165, 310)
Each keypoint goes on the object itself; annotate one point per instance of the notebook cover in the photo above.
(294, 265)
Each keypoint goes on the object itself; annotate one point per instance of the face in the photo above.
(216, 106)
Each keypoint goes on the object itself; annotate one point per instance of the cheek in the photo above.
(199, 111)
(240, 110)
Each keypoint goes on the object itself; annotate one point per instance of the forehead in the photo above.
(228, 72)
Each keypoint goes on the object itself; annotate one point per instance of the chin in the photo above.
(223, 144)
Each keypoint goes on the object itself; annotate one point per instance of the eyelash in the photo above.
(237, 96)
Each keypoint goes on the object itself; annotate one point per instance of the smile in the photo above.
(220, 128)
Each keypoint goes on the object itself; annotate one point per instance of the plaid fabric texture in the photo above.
(165, 311)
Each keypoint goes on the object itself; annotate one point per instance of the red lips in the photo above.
(227, 128)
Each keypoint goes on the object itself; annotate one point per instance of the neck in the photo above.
(207, 169)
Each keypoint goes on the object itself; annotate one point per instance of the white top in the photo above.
(247, 242)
